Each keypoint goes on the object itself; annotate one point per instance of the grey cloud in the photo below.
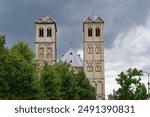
(18, 16)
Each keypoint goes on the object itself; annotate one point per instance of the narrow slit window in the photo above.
(49, 32)
(97, 49)
(97, 32)
(41, 32)
(90, 32)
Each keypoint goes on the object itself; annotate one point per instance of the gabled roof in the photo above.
(73, 58)
(46, 20)
(93, 19)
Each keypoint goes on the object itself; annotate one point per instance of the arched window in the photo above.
(89, 68)
(90, 49)
(49, 32)
(41, 50)
(97, 68)
(93, 84)
(40, 55)
(100, 88)
(48, 53)
(49, 50)
(97, 32)
(97, 49)
(41, 32)
(49, 56)
(90, 32)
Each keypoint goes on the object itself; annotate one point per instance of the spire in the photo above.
(92, 13)
(71, 44)
(46, 12)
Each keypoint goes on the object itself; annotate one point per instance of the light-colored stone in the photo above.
(93, 57)
(45, 46)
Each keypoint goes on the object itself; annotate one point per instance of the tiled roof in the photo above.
(93, 19)
(45, 19)
(73, 58)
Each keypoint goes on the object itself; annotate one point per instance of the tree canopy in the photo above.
(20, 77)
(131, 87)
(17, 73)
(50, 83)
(59, 81)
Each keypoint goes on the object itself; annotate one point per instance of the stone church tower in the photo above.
(93, 57)
(45, 42)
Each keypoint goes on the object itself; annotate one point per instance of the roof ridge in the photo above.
(72, 57)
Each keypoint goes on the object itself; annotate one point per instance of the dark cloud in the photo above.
(17, 19)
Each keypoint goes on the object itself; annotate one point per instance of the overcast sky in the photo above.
(127, 29)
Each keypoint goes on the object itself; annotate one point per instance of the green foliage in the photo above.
(69, 87)
(3, 61)
(20, 77)
(50, 82)
(61, 82)
(2, 41)
(130, 87)
(23, 51)
(86, 91)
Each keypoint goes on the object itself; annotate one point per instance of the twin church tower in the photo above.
(93, 48)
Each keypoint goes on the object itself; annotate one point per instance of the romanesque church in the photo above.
(93, 49)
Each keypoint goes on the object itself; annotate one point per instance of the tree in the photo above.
(69, 87)
(86, 90)
(74, 86)
(130, 87)
(19, 77)
(59, 81)
(50, 83)
(2, 41)
(3, 60)
(23, 51)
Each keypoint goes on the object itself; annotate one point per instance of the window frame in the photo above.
(98, 49)
(41, 32)
(90, 49)
(89, 68)
(49, 32)
(90, 31)
(97, 32)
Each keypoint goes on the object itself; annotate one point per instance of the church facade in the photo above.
(93, 49)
